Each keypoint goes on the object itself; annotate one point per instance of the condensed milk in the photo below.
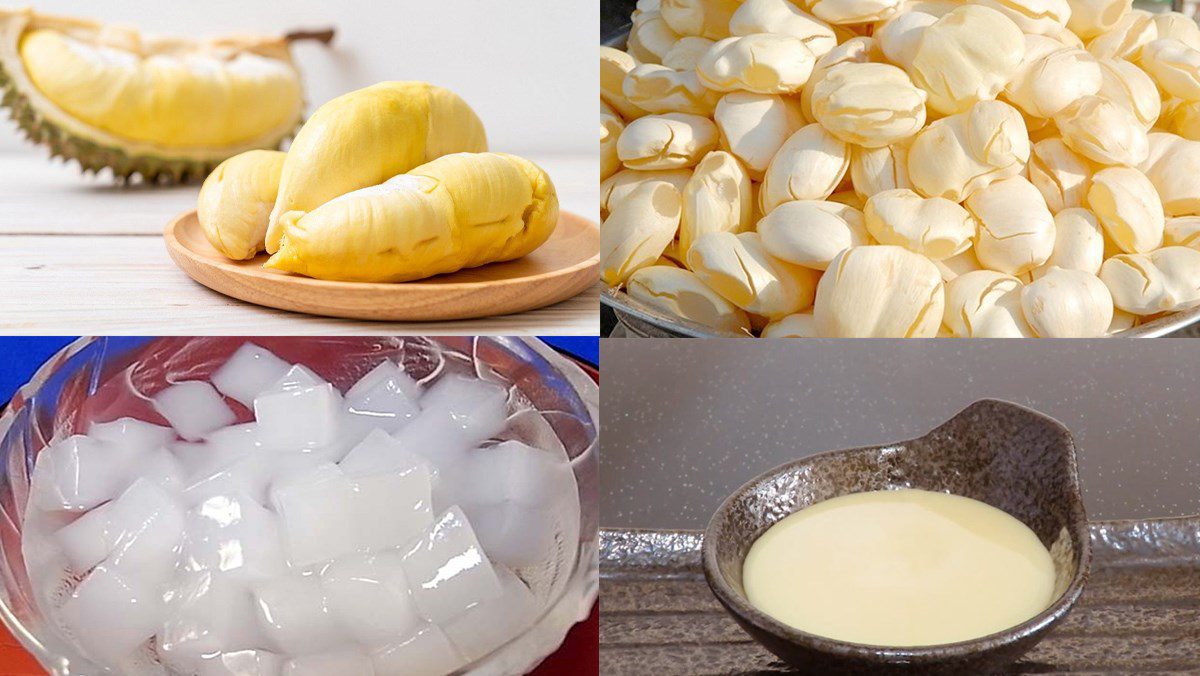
(900, 568)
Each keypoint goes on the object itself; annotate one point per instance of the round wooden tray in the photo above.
(566, 265)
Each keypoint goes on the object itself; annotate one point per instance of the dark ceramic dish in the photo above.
(1005, 455)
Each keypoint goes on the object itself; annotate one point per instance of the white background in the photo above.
(527, 67)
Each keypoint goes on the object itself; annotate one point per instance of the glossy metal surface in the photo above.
(648, 322)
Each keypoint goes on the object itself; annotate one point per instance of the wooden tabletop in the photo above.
(82, 256)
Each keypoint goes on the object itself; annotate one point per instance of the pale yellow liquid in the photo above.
(899, 568)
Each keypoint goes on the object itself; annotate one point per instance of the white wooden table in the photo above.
(82, 256)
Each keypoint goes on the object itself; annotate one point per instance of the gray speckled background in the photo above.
(687, 421)
(614, 15)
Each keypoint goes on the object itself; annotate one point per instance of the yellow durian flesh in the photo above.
(458, 211)
(236, 201)
(182, 96)
(366, 137)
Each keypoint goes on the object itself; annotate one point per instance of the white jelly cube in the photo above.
(137, 435)
(194, 409)
(426, 653)
(249, 372)
(519, 500)
(318, 515)
(235, 440)
(473, 408)
(110, 616)
(87, 541)
(300, 418)
(458, 414)
(322, 472)
(386, 372)
(171, 662)
(236, 536)
(431, 438)
(79, 473)
(524, 474)
(341, 663)
(488, 625)
(292, 615)
(147, 525)
(368, 596)
(201, 459)
(380, 452)
(254, 476)
(449, 486)
(448, 570)
(145, 661)
(297, 378)
(342, 438)
(283, 467)
(206, 613)
(353, 429)
(392, 508)
(163, 469)
(332, 447)
(516, 536)
(385, 398)
(139, 529)
(509, 471)
(248, 476)
(480, 478)
(241, 663)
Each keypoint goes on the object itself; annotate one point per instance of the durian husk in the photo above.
(68, 138)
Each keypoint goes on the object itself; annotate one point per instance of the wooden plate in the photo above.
(566, 265)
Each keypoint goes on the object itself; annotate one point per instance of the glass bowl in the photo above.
(552, 402)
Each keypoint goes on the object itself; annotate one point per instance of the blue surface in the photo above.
(20, 357)
(586, 348)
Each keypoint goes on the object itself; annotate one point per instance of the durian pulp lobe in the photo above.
(458, 211)
(192, 100)
(236, 200)
(368, 136)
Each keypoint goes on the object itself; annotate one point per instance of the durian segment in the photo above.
(366, 137)
(458, 211)
(236, 201)
(111, 98)
(206, 98)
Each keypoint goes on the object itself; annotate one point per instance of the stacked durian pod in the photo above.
(390, 183)
(157, 109)
(879, 168)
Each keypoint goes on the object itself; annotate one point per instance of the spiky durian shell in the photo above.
(92, 155)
